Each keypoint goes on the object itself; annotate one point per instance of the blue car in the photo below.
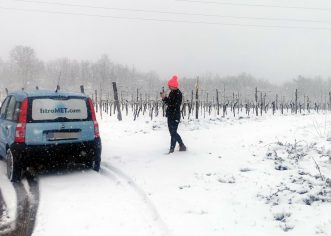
(44, 126)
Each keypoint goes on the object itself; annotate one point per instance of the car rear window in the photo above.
(58, 109)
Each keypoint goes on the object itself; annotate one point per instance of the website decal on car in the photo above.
(51, 109)
(60, 110)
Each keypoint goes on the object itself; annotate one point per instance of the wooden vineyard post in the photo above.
(100, 102)
(163, 105)
(261, 103)
(96, 101)
(117, 103)
(256, 104)
(197, 99)
(265, 105)
(296, 101)
(218, 103)
(239, 104)
(191, 105)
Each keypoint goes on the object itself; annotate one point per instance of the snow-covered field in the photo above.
(258, 176)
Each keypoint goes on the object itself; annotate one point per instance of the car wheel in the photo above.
(94, 162)
(96, 165)
(14, 170)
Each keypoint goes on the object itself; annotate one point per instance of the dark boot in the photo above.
(182, 147)
(171, 150)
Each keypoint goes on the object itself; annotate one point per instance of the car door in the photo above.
(10, 121)
(2, 127)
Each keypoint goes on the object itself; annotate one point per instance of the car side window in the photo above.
(4, 108)
(17, 111)
(11, 108)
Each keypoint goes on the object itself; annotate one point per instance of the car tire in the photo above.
(96, 165)
(94, 162)
(14, 170)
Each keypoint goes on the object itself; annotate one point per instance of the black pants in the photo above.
(173, 126)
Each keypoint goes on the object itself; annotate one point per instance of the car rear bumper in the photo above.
(81, 151)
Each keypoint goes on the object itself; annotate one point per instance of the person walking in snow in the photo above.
(173, 102)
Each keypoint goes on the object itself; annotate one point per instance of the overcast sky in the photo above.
(175, 43)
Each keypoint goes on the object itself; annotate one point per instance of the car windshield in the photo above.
(58, 109)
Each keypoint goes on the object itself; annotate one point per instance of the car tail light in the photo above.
(21, 125)
(94, 119)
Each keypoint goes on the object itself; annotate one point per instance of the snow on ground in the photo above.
(257, 176)
(8, 194)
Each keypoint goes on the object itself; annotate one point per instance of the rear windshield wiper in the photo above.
(61, 119)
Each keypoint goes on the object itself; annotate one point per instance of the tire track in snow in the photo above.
(3, 207)
(141, 194)
(27, 206)
(3, 214)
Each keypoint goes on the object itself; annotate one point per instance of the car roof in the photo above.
(21, 94)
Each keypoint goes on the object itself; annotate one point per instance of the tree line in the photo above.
(24, 70)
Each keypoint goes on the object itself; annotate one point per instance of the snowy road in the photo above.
(27, 198)
(88, 194)
(239, 177)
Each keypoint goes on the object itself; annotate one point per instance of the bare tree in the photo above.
(25, 63)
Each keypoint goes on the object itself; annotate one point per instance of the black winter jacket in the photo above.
(173, 102)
